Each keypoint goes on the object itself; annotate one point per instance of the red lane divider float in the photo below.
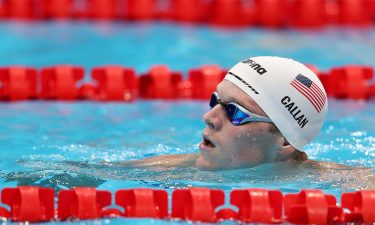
(309, 13)
(60, 82)
(104, 9)
(258, 205)
(229, 13)
(187, 11)
(18, 83)
(23, 10)
(272, 13)
(311, 207)
(372, 91)
(143, 202)
(118, 83)
(82, 203)
(57, 9)
(351, 82)
(33, 204)
(361, 206)
(203, 80)
(196, 204)
(357, 13)
(141, 10)
(36, 204)
(114, 83)
(159, 82)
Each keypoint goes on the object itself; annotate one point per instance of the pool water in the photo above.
(141, 45)
(68, 144)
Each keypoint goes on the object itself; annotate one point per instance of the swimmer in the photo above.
(264, 111)
(262, 115)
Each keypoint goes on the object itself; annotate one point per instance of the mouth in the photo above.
(206, 144)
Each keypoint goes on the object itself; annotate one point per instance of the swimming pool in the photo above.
(67, 144)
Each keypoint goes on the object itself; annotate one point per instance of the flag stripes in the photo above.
(310, 90)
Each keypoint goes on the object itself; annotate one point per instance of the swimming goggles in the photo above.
(237, 114)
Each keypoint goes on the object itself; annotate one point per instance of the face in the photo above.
(226, 146)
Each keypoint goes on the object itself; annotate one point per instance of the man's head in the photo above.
(283, 90)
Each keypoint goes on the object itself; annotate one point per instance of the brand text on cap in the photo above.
(257, 67)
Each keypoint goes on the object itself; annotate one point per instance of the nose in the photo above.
(215, 117)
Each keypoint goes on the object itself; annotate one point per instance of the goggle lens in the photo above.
(214, 100)
(234, 114)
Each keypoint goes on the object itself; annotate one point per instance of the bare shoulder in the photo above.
(165, 161)
(350, 177)
(322, 165)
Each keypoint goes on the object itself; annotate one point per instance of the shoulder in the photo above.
(329, 166)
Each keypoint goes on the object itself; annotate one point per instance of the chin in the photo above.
(203, 164)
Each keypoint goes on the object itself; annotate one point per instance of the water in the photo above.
(68, 144)
(142, 45)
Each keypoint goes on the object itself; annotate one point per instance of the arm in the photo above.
(164, 161)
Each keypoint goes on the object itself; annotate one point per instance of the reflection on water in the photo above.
(54, 180)
(287, 176)
(48, 146)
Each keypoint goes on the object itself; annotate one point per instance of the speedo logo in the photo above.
(258, 68)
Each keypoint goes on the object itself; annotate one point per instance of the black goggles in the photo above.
(237, 114)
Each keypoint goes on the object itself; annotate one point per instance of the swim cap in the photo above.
(287, 91)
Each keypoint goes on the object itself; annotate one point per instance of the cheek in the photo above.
(232, 138)
(249, 147)
(254, 134)
(245, 137)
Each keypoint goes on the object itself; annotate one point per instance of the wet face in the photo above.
(225, 146)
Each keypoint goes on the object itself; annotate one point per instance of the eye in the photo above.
(231, 110)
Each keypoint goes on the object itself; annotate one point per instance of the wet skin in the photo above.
(225, 146)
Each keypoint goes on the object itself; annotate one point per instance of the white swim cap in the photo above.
(287, 91)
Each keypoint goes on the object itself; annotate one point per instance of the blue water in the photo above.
(67, 144)
(142, 45)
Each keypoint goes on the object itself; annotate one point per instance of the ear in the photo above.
(286, 151)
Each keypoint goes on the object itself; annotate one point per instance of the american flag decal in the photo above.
(310, 90)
